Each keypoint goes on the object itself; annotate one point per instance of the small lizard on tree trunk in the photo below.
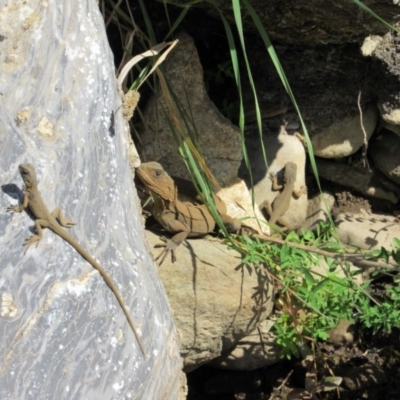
(44, 219)
(184, 219)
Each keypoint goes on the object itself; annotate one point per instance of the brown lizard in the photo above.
(282, 201)
(184, 219)
(44, 219)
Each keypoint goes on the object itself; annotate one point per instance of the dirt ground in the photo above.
(370, 369)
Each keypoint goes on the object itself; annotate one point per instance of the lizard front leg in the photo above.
(39, 223)
(298, 193)
(21, 207)
(170, 245)
(275, 185)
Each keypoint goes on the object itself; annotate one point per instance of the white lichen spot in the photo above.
(120, 335)
(8, 307)
(31, 21)
(114, 341)
(118, 386)
(45, 128)
(95, 48)
(22, 116)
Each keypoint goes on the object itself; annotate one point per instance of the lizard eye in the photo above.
(158, 173)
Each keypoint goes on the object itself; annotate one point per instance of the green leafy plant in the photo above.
(310, 302)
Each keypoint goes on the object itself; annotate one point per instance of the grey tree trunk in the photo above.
(62, 333)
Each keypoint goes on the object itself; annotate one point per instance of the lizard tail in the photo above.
(106, 278)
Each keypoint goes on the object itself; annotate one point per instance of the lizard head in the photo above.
(28, 174)
(157, 180)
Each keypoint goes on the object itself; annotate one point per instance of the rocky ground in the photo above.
(370, 366)
(370, 370)
(327, 79)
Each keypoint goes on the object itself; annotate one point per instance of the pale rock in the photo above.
(280, 150)
(342, 334)
(318, 210)
(391, 116)
(214, 298)
(217, 139)
(239, 205)
(367, 231)
(371, 42)
(344, 137)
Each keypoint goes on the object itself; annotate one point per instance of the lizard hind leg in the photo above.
(39, 224)
(64, 222)
(265, 207)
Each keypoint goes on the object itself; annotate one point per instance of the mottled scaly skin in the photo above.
(55, 221)
(184, 219)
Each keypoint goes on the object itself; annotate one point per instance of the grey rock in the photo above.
(385, 79)
(385, 154)
(395, 128)
(316, 21)
(345, 136)
(367, 231)
(254, 351)
(64, 335)
(373, 184)
(318, 209)
(216, 301)
(218, 140)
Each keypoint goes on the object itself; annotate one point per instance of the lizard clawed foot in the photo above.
(30, 241)
(14, 208)
(68, 223)
(169, 247)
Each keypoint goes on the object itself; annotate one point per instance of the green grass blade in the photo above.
(369, 11)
